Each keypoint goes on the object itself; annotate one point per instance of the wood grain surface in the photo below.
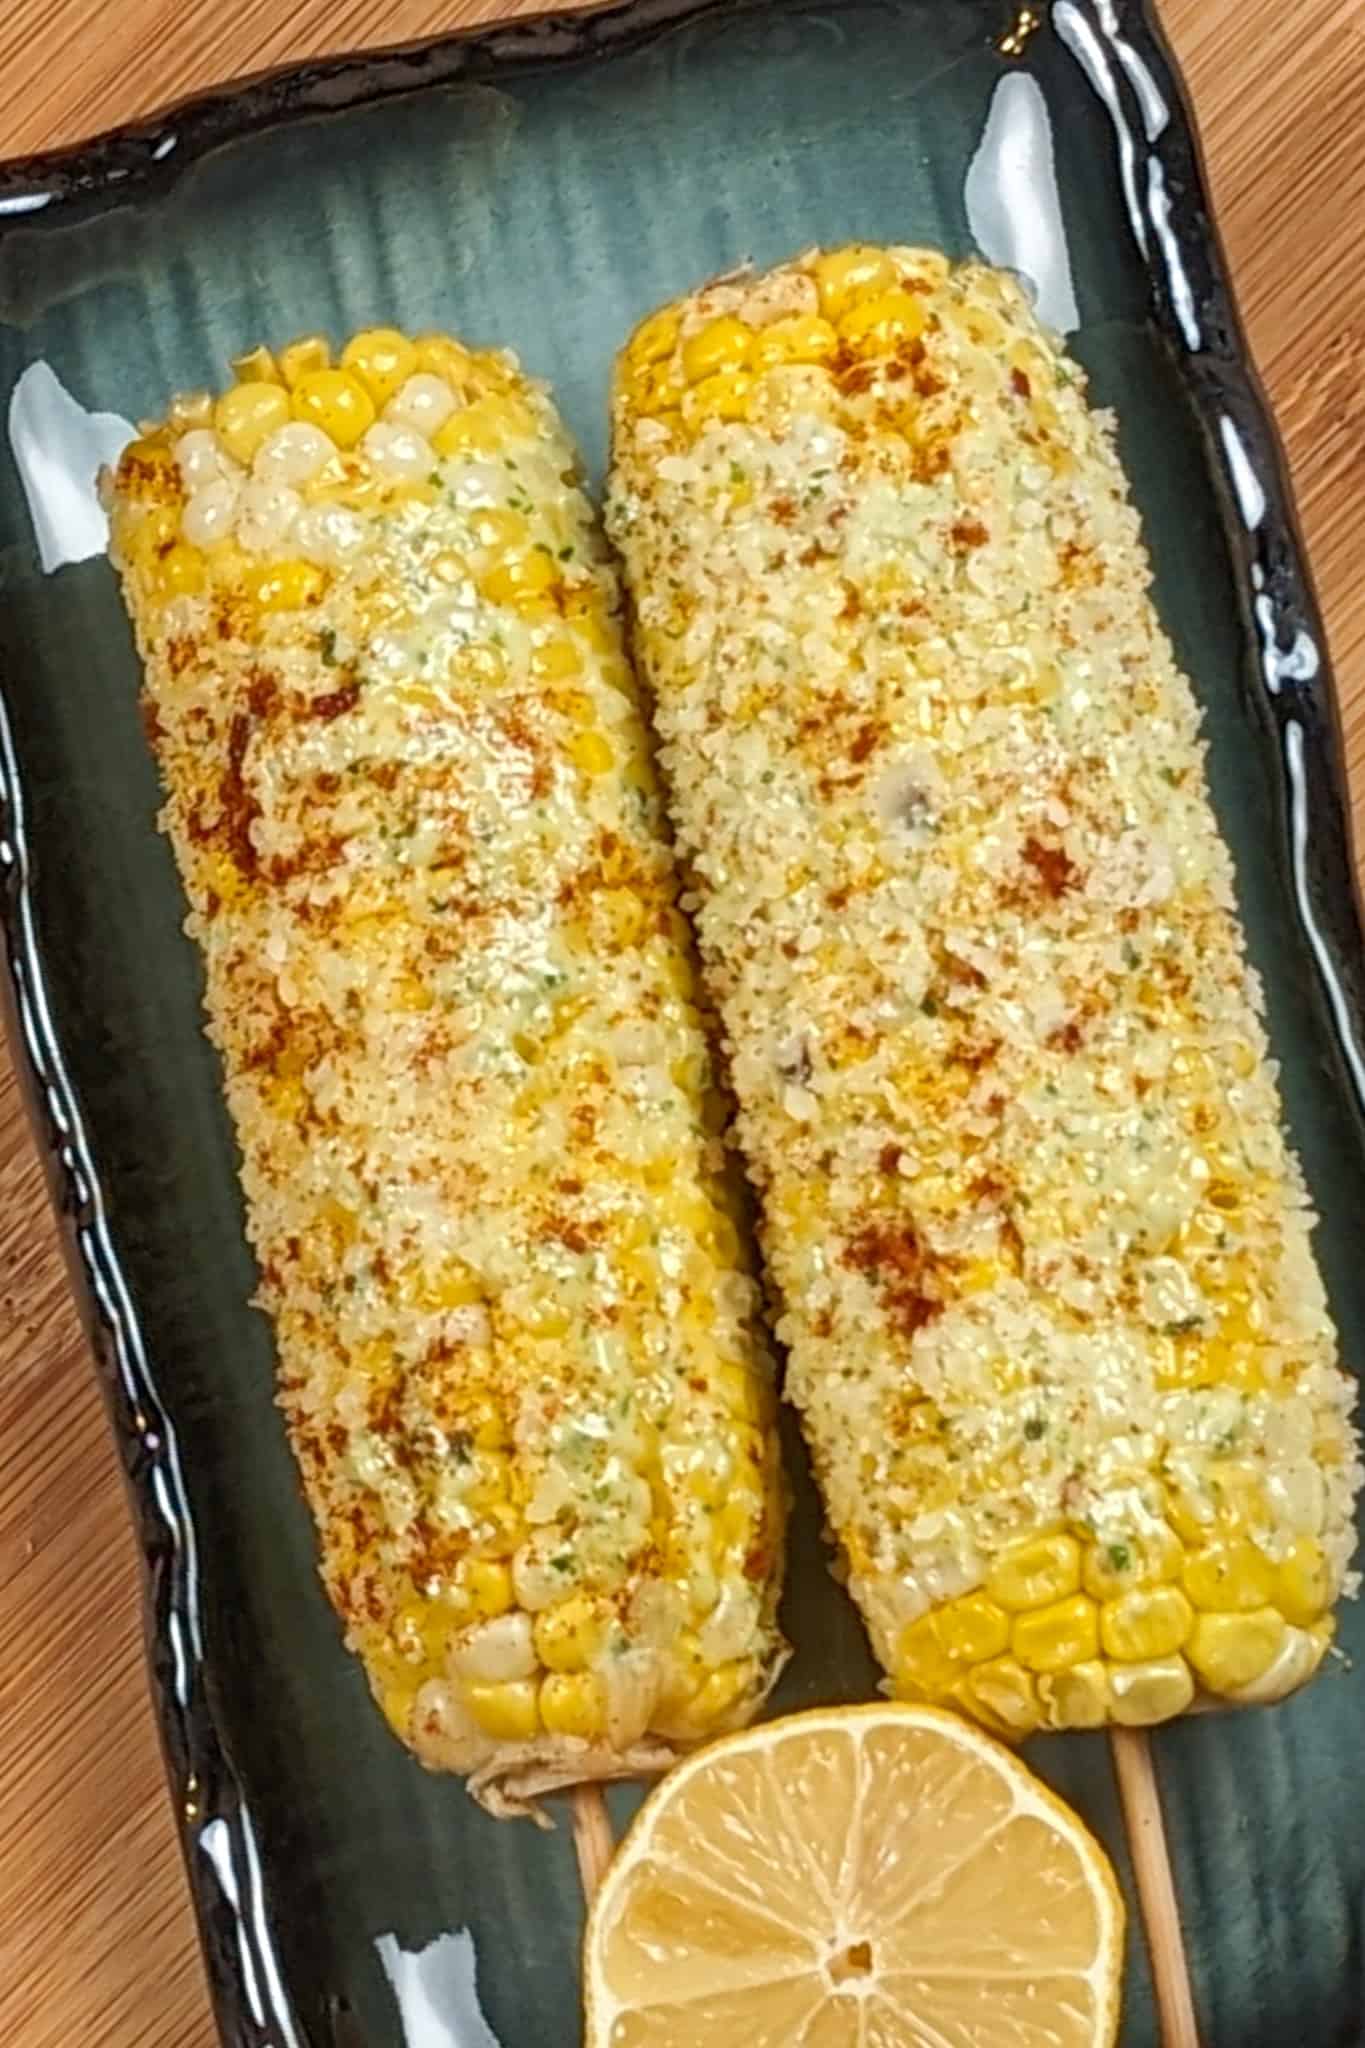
(97, 1944)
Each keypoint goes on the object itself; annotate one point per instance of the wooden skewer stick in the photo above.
(1141, 1801)
(594, 1843)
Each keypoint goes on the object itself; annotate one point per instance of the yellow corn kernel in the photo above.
(1190, 1514)
(382, 358)
(144, 537)
(408, 1631)
(983, 327)
(440, 355)
(335, 401)
(455, 1286)
(659, 389)
(497, 526)
(449, 567)
(1038, 367)
(147, 469)
(516, 577)
(724, 1239)
(1241, 1501)
(499, 1529)
(245, 414)
(719, 1695)
(574, 1703)
(508, 1711)
(494, 369)
(1144, 1694)
(1151, 1621)
(686, 1673)
(559, 660)
(654, 338)
(1303, 1583)
(257, 366)
(179, 572)
(484, 427)
(189, 409)
(592, 752)
(1229, 1577)
(741, 1390)
(625, 916)
(1078, 1698)
(492, 1483)
(412, 994)
(709, 1474)
(595, 626)
(569, 1636)
(722, 344)
(923, 1669)
(884, 322)
(226, 880)
(973, 1628)
(732, 1526)
(304, 358)
(804, 338)
(722, 397)
(353, 484)
(488, 1586)
(1036, 1573)
(288, 1099)
(1051, 1638)
(1004, 1692)
(846, 275)
(397, 1704)
(1232, 1650)
(482, 1419)
(484, 665)
(285, 586)
(1148, 1557)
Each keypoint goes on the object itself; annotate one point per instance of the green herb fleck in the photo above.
(1120, 1557)
(327, 647)
(1034, 1428)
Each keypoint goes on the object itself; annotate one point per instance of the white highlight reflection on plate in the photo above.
(59, 449)
(1013, 206)
(437, 1992)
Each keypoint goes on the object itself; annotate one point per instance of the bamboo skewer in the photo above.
(594, 1843)
(1141, 1801)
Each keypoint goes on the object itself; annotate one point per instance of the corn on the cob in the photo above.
(1056, 1331)
(411, 799)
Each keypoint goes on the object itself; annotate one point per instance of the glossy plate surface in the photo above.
(543, 186)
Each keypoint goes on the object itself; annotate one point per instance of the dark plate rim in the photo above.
(1121, 44)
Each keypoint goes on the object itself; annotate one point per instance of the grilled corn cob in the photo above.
(412, 805)
(1056, 1331)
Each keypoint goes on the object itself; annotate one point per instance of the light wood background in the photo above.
(97, 1944)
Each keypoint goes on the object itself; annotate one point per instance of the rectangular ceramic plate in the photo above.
(543, 186)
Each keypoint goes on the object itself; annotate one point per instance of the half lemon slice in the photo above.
(859, 1877)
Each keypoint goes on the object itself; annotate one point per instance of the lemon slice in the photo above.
(862, 1877)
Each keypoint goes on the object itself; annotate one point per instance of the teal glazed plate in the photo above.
(544, 185)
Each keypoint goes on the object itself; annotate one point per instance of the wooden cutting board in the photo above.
(97, 1945)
